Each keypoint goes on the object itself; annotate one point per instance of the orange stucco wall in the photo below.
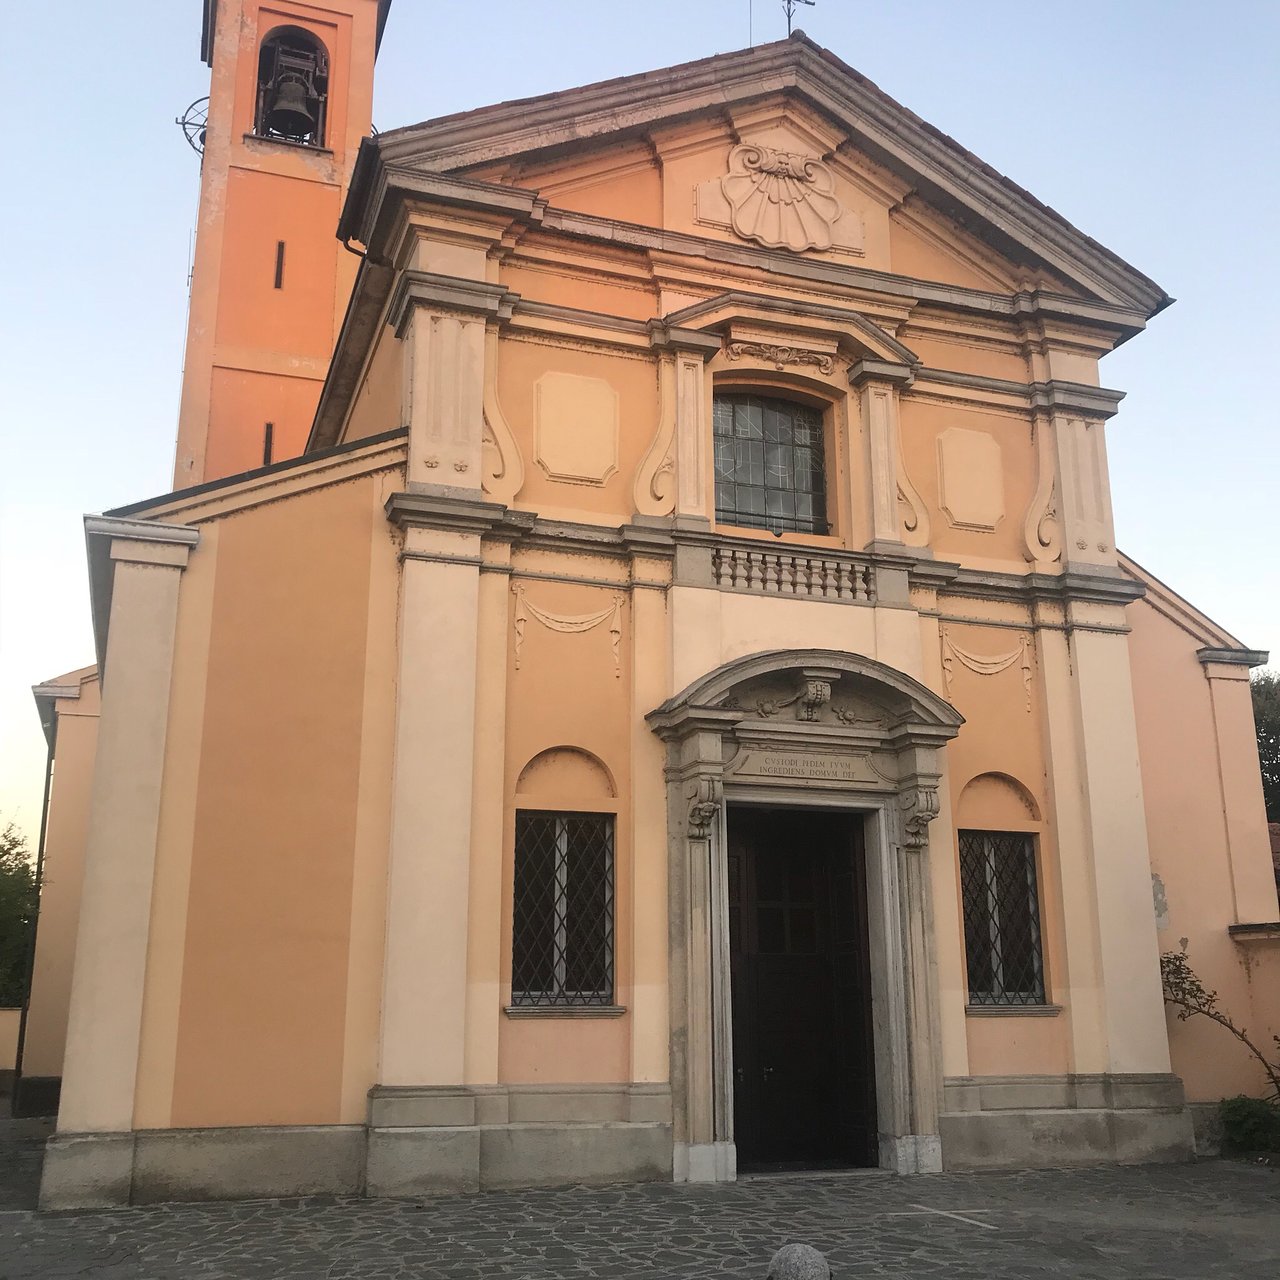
(1180, 743)
(256, 352)
(269, 917)
(63, 875)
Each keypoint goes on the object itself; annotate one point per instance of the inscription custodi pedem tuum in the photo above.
(810, 767)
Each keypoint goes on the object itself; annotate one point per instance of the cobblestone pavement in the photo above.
(1157, 1223)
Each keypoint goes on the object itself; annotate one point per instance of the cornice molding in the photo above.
(448, 293)
(665, 336)
(1233, 657)
(457, 513)
(1075, 397)
(947, 176)
(865, 371)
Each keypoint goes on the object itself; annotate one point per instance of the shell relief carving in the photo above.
(786, 200)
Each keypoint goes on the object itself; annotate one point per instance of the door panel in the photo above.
(803, 1065)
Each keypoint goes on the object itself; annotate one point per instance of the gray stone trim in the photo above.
(1012, 1010)
(433, 1161)
(1265, 931)
(104, 1170)
(1234, 657)
(564, 1010)
(944, 173)
(428, 1107)
(1075, 397)
(1100, 586)
(975, 382)
(457, 511)
(1077, 1091)
(864, 371)
(735, 303)
(448, 293)
(1045, 1121)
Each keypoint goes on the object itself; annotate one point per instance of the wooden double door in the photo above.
(804, 1066)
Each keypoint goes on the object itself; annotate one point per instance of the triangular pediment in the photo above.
(704, 148)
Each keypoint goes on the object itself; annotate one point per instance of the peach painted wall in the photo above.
(569, 691)
(1180, 779)
(265, 966)
(998, 781)
(9, 1019)
(63, 876)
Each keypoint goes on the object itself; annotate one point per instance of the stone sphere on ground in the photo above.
(799, 1262)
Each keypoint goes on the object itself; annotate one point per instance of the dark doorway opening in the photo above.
(804, 1065)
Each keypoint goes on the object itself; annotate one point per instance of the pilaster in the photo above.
(1114, 992)
(1253, 885)
(424, 1036)
(135, 572)
(896, 513)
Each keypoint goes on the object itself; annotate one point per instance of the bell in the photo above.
(288, 113)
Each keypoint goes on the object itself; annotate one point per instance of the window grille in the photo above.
(562, 937)
(770, 469)
(1001, 918)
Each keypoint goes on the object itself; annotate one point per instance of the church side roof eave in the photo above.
(1183, 614)
(945, 173)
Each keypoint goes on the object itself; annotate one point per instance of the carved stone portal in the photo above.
(801, 728)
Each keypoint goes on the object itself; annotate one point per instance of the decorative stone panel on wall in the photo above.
(577, 440)
(780, 199)
(970, 479)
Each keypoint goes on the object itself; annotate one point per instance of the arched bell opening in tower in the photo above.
(293, 87)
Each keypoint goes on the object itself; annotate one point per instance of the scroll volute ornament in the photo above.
(704, 807)
(919, 808)
(781, 199)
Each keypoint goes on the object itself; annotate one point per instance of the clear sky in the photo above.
(1150, 124)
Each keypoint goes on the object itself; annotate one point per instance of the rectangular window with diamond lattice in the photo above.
(1001, 918)
(562, 935)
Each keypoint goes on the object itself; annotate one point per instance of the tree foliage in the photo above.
(17, 914)
(1265, 688)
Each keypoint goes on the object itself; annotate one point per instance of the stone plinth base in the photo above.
(995, 1122)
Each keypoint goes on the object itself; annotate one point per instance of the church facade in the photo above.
(682, 709)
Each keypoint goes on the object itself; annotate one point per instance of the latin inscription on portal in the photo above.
(808, 766)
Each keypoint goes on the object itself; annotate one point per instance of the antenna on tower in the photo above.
(790, 7)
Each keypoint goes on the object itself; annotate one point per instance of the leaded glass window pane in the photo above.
(1001, 918)
(770, 470)
(562, 934)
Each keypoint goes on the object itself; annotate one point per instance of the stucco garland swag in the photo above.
(986, 666)
(569, 624)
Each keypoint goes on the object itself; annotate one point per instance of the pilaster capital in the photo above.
(1075, 397)
(882, 371)
(141, 541)
(674, 338)
(453, 294)
(1233, 664)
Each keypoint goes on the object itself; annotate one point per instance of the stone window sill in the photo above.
(565, 1010)
(1012, 1010)
(287, 142)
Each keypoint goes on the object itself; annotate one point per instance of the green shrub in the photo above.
(1249, 1124)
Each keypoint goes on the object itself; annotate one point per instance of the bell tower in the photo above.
(290, 98)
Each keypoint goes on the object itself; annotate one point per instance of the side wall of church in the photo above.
(1196, 736)
(265, 951)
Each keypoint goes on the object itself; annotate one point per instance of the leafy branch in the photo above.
(1189, 996)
